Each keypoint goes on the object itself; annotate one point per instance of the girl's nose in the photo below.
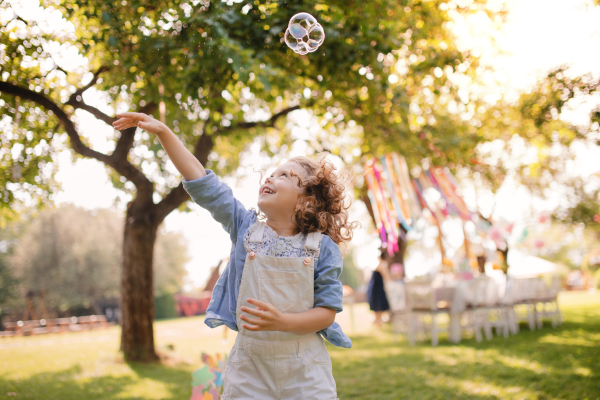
(269, 179)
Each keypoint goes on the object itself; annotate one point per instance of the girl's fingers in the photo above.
(121, 127)
(123, 122)
(258, 303)
(251, 327)
(132, 119)
(133, 116)
(256, 312)
(253, 321)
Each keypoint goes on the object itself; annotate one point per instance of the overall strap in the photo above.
(257, 235)
(312, 240)
(312, 243)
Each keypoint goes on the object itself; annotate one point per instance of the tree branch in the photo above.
(80, 105)
(121, 166)
(47, 103)
(80, 91)
(58, 67)
(125, 142)
(364, 197)
(77, 102)
(264, 124)
(18, 17)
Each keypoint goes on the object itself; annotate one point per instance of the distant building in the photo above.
(191, 304)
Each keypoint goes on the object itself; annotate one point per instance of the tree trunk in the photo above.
(137, 289)
(137, 282)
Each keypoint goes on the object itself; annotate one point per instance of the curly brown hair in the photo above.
(323, 207)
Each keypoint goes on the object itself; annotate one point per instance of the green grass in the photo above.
(562, 363)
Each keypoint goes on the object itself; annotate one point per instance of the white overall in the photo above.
(273, 365)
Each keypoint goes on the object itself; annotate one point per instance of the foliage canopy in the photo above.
(221, 69)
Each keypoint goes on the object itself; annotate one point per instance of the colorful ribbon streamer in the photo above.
(397, 200)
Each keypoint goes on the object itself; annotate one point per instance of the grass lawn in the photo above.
(562, 363)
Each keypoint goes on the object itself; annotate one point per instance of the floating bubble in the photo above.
(304, 34)
(315, 38)
(297, 31)
(290, 40)
(302, 50)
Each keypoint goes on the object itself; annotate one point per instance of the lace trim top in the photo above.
(280, 246)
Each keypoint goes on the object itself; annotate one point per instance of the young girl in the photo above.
(280, 290)
(376, 296)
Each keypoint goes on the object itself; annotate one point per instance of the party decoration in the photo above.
(495, 234)
(208, 380)
(510, 227)
(399, 201)
(523, 236)
(304, 34)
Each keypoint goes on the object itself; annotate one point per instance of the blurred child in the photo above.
(378, 301)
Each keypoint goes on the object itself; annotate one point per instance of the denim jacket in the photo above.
(210, 193)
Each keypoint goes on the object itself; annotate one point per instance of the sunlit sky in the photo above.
(538, 35)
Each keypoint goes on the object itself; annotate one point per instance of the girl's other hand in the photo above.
(146, 122)
(269, 318)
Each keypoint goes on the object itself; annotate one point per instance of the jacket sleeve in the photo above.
(328, 288)
(215, 196)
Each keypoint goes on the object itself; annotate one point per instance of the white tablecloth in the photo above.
(459, 295)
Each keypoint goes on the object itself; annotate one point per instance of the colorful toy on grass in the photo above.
(207, 382)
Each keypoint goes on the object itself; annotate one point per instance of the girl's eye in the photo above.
(284, 174)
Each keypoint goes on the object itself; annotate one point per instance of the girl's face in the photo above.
(278, 196)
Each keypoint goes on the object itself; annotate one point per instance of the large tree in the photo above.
(221, 76)
(582, 205)
(531, 139)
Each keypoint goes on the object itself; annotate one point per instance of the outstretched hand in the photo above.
(141, 120)
(269, 318)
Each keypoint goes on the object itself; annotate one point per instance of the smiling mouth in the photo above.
(267, 191)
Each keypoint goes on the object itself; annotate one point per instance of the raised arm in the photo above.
(185, 162)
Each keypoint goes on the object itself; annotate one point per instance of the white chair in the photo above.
(396, 296)
(507, 304)
(421, 301)
(492, 310)
(468, 299)
(549, 301)
(523, 295)
(479, 308)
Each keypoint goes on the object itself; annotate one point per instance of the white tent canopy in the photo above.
(523, 265)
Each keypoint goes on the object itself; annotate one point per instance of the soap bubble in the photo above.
(304, 34)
